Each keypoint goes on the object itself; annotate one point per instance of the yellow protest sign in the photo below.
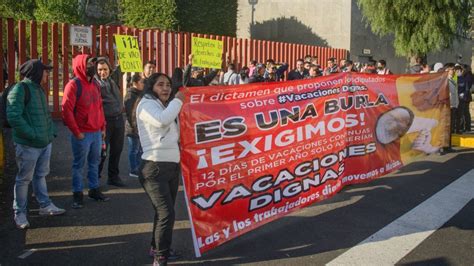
(128, 53)
(207, 53)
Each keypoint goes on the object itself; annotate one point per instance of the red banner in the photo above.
(254, 153)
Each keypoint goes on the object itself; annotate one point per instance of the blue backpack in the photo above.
(78, 91)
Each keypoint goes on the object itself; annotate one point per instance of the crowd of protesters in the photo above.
(99, 119)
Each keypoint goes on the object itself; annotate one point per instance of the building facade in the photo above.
(333, 23)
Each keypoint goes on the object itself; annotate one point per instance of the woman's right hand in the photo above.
(179, 95)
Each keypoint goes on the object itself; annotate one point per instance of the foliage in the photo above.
(17, 9)
(471, 21)
(419, 26)
(212, 17)
(64, 11)
(201, 16)
(101, 12)
(149, 14)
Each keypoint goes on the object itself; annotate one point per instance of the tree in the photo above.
(149, 14)
(203, 16)
(17, 9)
(64, 11)
(419, 26)
(100, 12)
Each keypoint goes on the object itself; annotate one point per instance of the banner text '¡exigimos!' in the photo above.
(215, 130)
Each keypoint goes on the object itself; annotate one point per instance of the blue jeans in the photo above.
(134, 154)
(89, 147)
(33, 165)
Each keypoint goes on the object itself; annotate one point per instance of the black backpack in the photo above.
(4, 101)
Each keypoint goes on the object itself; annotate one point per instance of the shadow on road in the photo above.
(119, 231)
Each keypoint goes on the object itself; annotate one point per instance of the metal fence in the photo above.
(50, 41)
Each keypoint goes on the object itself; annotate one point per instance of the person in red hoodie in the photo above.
(83, 114)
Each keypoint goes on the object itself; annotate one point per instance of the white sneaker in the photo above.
(132, 175)
(21, 221)
(51, 210)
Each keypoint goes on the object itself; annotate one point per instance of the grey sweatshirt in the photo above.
(111, 98)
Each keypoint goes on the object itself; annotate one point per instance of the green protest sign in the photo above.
(207, 53)
(128, 53)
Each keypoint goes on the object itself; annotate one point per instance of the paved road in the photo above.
(118, 232)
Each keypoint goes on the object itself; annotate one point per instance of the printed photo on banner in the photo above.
(207, 53)
(255, 153)
(128, 53)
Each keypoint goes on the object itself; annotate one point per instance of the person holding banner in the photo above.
(299, 72)
(160, 168)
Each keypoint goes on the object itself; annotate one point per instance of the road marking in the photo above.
(27, 253)
(65, 247)
(393, 242)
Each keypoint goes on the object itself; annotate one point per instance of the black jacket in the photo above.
(295, 74)
(111, 97)
(188, 81)
(256, 79)
(131, 102)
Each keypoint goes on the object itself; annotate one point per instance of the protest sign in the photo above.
(128, 53)
(80, 35)
(254, 153)
(207, 53)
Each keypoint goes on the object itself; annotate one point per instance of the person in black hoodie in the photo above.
(115, 125)
(134, 91)
(193, 76)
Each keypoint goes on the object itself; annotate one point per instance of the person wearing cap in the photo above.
(33, 133)
(258, 76)
(83, 114)
(438, 67)
(194, 76)
(112, 101)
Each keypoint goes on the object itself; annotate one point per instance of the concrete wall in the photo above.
(380, 48)
(321, 22)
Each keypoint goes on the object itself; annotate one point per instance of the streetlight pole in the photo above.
(252, 3)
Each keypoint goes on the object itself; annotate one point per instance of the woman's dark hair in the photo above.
(133, 79)
(244, 72)
(176, 81)
(150, 82)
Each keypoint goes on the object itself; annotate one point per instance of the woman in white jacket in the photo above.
(157, 122)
